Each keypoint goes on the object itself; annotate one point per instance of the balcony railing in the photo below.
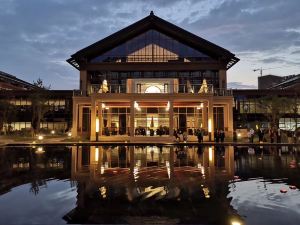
(181, 88)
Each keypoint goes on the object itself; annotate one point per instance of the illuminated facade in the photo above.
(149, 80)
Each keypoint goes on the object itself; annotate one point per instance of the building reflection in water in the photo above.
(148, 173)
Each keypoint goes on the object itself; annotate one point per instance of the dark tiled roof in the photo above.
(147, 23)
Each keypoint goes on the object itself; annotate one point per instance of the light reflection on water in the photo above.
(132, 184)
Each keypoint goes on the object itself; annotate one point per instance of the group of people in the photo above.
(219, 135)
(274, 135)
(180, 135)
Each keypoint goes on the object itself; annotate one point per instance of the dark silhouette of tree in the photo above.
(39, 97)
(275, 107)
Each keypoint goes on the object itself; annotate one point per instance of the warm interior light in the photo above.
(168, 106)
(210, 154)
(209, 126)
(103, 105)
(239, 134)
(235, 223)
(200, 106)
(96, 154)
(40, 137)
(52, 131)
(97, 124)
(69, 134)
(39, 150)
(136, 106)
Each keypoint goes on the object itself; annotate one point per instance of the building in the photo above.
(149, 80)
(10, 82)
(56, 111)
(250, 109)
(278, 82)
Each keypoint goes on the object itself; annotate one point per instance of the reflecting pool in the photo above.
(150, 185)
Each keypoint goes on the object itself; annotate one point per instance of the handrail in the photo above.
(196, 89)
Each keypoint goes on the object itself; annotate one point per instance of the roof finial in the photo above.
(151, 13)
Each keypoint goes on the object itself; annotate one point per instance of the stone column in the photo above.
(131, 127)
(225, 112)
(211, 117)
(230, 118)
(222, 79)
(75, 118)
(93, 120)
(99, 114)
(80, 108)
(204, 116)
(83, 82)
(171, 118)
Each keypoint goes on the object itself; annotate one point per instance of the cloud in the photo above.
(36, 37)
(295, 52)
(240, 85)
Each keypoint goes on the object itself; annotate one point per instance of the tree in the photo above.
(295, 109)
(275, 107)
(7, 115)
(38, 98)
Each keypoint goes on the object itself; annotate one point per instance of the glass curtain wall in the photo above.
(115, 121)
(219, 118)
(188, 119)
(151, 46)
(151, 121)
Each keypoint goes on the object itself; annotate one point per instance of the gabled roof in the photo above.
(156, 23)
(10, 82)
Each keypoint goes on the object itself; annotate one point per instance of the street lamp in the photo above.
(97, 127)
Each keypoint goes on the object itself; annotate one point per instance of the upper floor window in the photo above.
(151, 46)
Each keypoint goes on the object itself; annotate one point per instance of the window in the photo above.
(151, 46)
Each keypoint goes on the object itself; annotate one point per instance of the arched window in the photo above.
(153, 89)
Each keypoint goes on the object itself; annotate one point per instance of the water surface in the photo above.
(161, 185)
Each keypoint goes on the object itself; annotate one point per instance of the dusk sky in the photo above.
(37, 36)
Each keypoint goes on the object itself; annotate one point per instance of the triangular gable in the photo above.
(151, 46)
(155, 23)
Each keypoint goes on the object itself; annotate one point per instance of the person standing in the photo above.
(260, 134)
(222, 135)
(251, 135)
(200, 136)
(278, 135)
(217, 135)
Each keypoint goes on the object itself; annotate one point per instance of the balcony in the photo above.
(178, 88)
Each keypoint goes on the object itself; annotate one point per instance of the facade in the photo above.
(149, 80)
(250, 110)
(10, 82)
(291, 82)
(57, 111)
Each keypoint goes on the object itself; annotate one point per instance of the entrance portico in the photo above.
(150, 117)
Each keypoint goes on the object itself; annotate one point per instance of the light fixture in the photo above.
(235, 222)
(69, 134)
(239, 135)
(97, 124)
(103, 105)
(39, 150)
(97, 127)
(209, 126)
(52, 131)
(40, 137)
(96, 154)
(209, 129)
(136, 106)
(210, 154)
(168, 106)
(200, 106)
